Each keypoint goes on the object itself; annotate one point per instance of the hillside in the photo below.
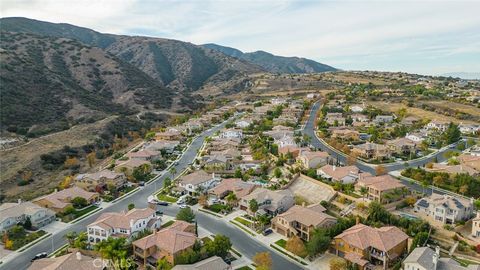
(49, 84)
(274, 63)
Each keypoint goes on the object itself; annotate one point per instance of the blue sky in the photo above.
(427, 37)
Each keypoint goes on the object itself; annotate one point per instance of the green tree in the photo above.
(253, 206)
(452, 134)
(220, 246)
(231, 198)
(188, 256)
(130, 206)
(79, 202)
(28, 224)
(319, 242)
(419, 240)
(163, 264)
(81, 242)
(115, 250)
(167, 182)
(186, 214)
(70, 236)
(238, 173)
(277, 172)
(363, 191)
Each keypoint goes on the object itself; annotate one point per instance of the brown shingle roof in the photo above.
(172, 239)
(362, 236)
(121, 220)
(309, 216)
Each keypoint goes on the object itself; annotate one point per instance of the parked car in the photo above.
(183, 206)
(158, 212)
(267, 232)
(141, 183)
(162, 203)
(39, 256)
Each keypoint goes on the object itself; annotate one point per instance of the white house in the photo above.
(437, 125)
(12, 214)
(285, 141)
(231, 133)
(356, 108)
(198, 180)
(124, 224)
(445, 208)
(415, 137)
(383, 119)
(476, 226)
(469, 129)
(312, 159)
(242, 124)
(425, 258)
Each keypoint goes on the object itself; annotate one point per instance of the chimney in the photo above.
(357, 220)
(78, 255)
(334, 167)
(20, 201)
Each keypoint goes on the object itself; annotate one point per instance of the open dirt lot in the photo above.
(311, 189)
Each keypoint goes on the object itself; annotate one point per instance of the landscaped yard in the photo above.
(217, 208)
(243, 221)
(78, 213)
(281, 243)
(168, 223)
(166, 198)
(18, 237)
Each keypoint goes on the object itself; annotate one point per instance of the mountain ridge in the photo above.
(273, 63)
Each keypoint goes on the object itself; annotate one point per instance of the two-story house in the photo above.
(401, 146)
(445, 208)
(124, 224)
(301, 221)
(312, 159)
(476, 226)
(371, 150)
(269, 202)
(425, 258)
(437, 125)
(12, 214)
(232, 185)
(198, 181)
(58, 201)
(232, 133)
(344, 175)
(166, 243)
(383, 189)
(144, 155)
(367, 247)
(100, 180)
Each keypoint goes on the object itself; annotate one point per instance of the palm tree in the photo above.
(363, 191)
(231, 199)
(424, 185)
(115, 250)
(70, 236)
(172, 171)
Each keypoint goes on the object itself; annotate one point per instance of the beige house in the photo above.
(383, 189)
(301, 221)
(212, 263)
(13, 213)
(101, 179)
(312, 159)
(235, 185)
(371, 150)
(128, 166)
(60, 200)
(198, 181)
(476, 226)
(170, 135)
(345, 175)
(69, 261)
(401, 146)
(345, 134)
(166, 243)
(144, 155)
(368, 247)
(269, 202)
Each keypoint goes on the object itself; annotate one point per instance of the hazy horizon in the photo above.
(425, 37)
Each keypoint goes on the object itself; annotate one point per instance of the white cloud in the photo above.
(362, 34)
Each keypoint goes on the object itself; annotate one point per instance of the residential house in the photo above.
(58, 201)
(198, 181)
(476, 226)
(410, 120)
(166, 243)
(74, 260)
(170, 135)
(212, 263)
(425, 258)
(401, 146)
(469, 128)
(293, 150)
(100, 180)
(360, 118)
(123, 224)
(472, 160)
(368, 247)
(445, 208)
(278, 134)
(162, 145)
(452, 169)
(370, 150)
(345, 134)
(12, 214)
(232, 185)
(437, 125)
(344, 175)
(382, 119)
(335, 119)
(243, 123)
(383, 189)
(129, 165)
(285, 141)
(232, 133)
(219, 144)
(301, 221)
(312, 159)
(357, 108)
(217, 163)
(416, 137)
(148, 155)
(311, 96)
(270, 202)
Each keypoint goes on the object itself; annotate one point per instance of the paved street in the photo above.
(245, 245)
(310, 131)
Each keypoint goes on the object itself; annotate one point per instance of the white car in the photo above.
(183, 206)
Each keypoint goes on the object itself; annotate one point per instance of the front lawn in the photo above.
(78, 213)
(281, 243)
(18, 237)
(166, 198)
(168, 223)
(243, 221)
(217, 208)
